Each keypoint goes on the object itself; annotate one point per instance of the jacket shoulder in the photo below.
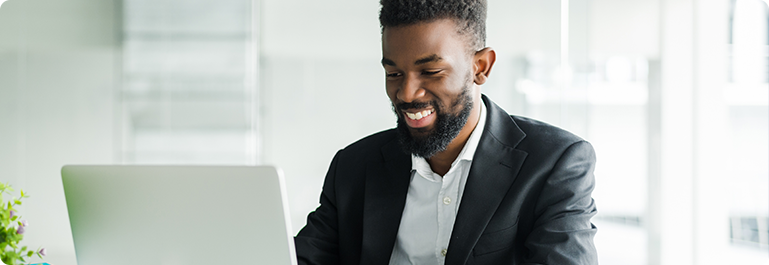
(371, 144)
(540, 134)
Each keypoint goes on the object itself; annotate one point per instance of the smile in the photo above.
(419, 119)
(418, 115)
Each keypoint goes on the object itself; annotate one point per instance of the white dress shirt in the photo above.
(431, 206)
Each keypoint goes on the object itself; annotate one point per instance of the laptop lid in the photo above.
(169, 215)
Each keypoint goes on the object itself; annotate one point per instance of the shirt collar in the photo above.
(468, 151)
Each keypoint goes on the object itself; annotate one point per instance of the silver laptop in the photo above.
(178, 215)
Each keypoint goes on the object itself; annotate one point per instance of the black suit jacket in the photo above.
(527, 199)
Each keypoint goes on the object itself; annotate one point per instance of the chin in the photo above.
(420, 132)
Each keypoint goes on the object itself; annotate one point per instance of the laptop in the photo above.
(178, 215)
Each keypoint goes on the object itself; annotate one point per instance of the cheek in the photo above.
(391, 90)
(449, 85)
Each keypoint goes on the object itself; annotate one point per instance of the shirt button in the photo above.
(446, 200)
(443, 252)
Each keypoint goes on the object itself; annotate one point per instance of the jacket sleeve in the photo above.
(562, 232)
(318, 242)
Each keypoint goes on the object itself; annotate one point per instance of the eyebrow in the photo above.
(427, 59)
(386, 61)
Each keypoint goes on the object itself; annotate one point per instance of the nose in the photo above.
(410, 89)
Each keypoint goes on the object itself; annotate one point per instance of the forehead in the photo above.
(440, 37)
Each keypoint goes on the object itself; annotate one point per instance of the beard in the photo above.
(447, 125)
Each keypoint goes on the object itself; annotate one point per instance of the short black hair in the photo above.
(470, 16)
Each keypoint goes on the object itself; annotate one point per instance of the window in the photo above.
(188, 92)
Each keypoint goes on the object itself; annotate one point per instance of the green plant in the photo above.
(12, 230)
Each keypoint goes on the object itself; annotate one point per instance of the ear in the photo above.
(482, 63)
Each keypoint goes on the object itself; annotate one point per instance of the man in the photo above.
(458, 181)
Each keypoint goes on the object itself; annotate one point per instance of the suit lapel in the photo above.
(385, 196)
(495, 166)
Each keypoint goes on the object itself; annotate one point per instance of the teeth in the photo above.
(419, 115)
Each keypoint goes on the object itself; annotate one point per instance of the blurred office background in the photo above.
(673, 94)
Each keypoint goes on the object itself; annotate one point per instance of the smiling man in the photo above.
(458, 181)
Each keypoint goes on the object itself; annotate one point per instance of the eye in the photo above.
(430, 72)
(393, 75)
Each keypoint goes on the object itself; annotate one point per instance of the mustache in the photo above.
(414, 105)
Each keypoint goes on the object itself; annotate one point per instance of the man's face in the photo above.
(430, 83)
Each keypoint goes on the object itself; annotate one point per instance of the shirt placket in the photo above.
(446, 203)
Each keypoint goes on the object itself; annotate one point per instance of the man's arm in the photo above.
(318, 242)
(562, 232)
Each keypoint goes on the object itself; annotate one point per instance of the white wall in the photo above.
(322, 88)
(57, 73)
